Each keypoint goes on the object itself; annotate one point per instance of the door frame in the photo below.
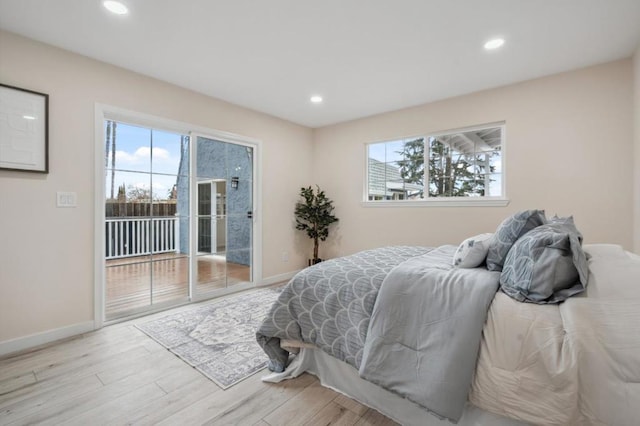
(213, 217)
(108, 112)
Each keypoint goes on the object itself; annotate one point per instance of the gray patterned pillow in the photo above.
(508, 232)
(547, 265)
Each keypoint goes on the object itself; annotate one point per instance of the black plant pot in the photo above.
(314, 261)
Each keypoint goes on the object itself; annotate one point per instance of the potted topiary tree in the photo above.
(314, 215)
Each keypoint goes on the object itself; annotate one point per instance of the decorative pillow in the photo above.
(472, 252)
(547, 265)
(508, 232)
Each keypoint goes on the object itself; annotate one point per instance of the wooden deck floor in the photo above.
(119, 376)
(142, 281)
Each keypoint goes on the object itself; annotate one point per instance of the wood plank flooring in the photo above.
(119, 376)
(138, 282)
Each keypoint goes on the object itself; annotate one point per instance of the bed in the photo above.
(427, 336)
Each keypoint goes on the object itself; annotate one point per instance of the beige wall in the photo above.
(46, 253)
(636, 118)
(568, 151)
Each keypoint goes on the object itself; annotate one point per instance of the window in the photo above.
(464, 164)
(146, 218)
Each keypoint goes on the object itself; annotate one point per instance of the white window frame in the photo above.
(487, 201)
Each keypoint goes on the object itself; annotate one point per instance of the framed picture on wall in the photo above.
(24, 130)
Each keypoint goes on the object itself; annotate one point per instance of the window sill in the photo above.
(441, 202)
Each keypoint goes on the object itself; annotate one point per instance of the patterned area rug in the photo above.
(218, 339)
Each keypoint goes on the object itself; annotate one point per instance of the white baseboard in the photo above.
(34, 340)
(277, 278)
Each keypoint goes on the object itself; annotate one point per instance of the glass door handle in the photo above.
(249, 215)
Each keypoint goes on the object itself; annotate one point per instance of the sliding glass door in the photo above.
(224, 178)
(144, 265)
(174, 231)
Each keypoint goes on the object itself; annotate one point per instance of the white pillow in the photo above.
(473, 251)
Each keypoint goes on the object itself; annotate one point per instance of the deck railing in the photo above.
(134, 236)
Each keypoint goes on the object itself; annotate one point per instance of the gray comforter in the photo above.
(402, 316)
(425, 331)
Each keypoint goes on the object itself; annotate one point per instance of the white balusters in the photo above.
(127, 237)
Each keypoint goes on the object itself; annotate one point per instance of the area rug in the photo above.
(218, 339)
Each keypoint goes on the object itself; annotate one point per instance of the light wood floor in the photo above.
(118, 375)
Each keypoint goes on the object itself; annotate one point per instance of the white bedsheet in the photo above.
(573, 363)
(525, 366)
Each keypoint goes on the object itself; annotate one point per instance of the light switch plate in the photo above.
(66, 199)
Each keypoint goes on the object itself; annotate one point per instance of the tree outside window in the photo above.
(462, 163)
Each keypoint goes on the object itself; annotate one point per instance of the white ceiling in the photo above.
(363, 56)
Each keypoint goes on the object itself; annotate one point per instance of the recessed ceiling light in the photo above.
(115, 7)
(316, 99)
(494, 44)
(28, 117)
